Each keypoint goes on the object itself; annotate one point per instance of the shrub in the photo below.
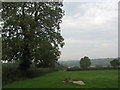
(75, 68)
(35, 72)
(10, 73)
(100, 68)
(60, 67)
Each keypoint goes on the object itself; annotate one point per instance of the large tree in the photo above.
(31, 32)
(85, 62)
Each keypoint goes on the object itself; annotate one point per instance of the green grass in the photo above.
(92, 79)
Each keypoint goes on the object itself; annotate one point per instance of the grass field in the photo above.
(92, 79)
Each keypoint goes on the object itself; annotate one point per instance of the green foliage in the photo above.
(31, 31)
(115, 63)
(98, 66)
(11, 73)
(35, 72)
(85, 62)
(59, 66)
(91, 68)
(76, 67)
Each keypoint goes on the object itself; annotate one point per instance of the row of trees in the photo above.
(31, 33)
(85, 62)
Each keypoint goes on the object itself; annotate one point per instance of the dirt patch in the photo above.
(79, 82)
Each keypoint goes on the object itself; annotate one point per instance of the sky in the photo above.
(90, 29)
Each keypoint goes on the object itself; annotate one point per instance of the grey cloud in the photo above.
(93, 33)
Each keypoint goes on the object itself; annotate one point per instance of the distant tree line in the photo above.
(86, 62)
(115, 63)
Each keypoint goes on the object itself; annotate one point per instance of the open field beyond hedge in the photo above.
(92, 79)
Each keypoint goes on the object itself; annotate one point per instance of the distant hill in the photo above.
(98, 62)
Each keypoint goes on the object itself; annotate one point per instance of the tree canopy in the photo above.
(31, 32)
(85, 62)
(115, 63)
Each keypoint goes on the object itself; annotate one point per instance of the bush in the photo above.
(75, 68)
(60, 67)
(98, 68)
(35, 72)
(10, 73)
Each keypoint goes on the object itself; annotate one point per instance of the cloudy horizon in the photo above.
(90, 29)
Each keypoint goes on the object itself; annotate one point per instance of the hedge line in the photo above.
(100, 68)
(11, 73)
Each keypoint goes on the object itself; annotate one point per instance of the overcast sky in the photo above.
(90, 29)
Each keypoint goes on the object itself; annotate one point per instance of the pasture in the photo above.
(92, 79)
